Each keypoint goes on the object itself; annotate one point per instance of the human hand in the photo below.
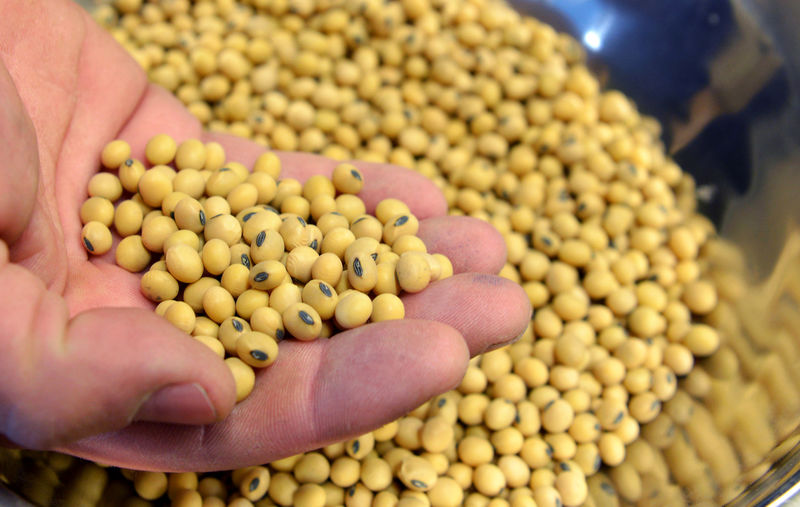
(80, 348)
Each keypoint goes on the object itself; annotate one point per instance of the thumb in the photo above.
(63, 379)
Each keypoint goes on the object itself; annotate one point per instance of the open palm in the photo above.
(81, 352)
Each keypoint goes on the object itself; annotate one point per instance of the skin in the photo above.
(77, 368)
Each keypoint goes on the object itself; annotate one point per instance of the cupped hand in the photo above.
(88, 368)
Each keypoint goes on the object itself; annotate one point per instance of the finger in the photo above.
(30, 231)
(489, 311)
(469, 243)
(64, 379)
(107, 87)
(316, 393)
(380, 180)
(18, 170)
(84, 96)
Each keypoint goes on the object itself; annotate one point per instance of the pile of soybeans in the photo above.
(257, 275)
(651, 374)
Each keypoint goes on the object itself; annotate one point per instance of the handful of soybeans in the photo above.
(240, 259)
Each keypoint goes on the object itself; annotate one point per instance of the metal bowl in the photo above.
(722, 77)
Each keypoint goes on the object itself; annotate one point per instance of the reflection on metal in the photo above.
(594, 37)
(10, 499)
(780, 486)
(768, 328)
(592, 40)
(711, 72)
(744, 66)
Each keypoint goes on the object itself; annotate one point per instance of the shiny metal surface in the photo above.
(10, 499)
(723, 78)
(778, 487)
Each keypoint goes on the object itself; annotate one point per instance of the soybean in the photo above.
(184, 263)
(413, 272)
(353, 310)
(96, 238)
(302, 321)
(243, 376)
(417, 473)
(347, 179)
(256, 349)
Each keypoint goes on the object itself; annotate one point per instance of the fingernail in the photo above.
(179, 404)
(495, 346)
